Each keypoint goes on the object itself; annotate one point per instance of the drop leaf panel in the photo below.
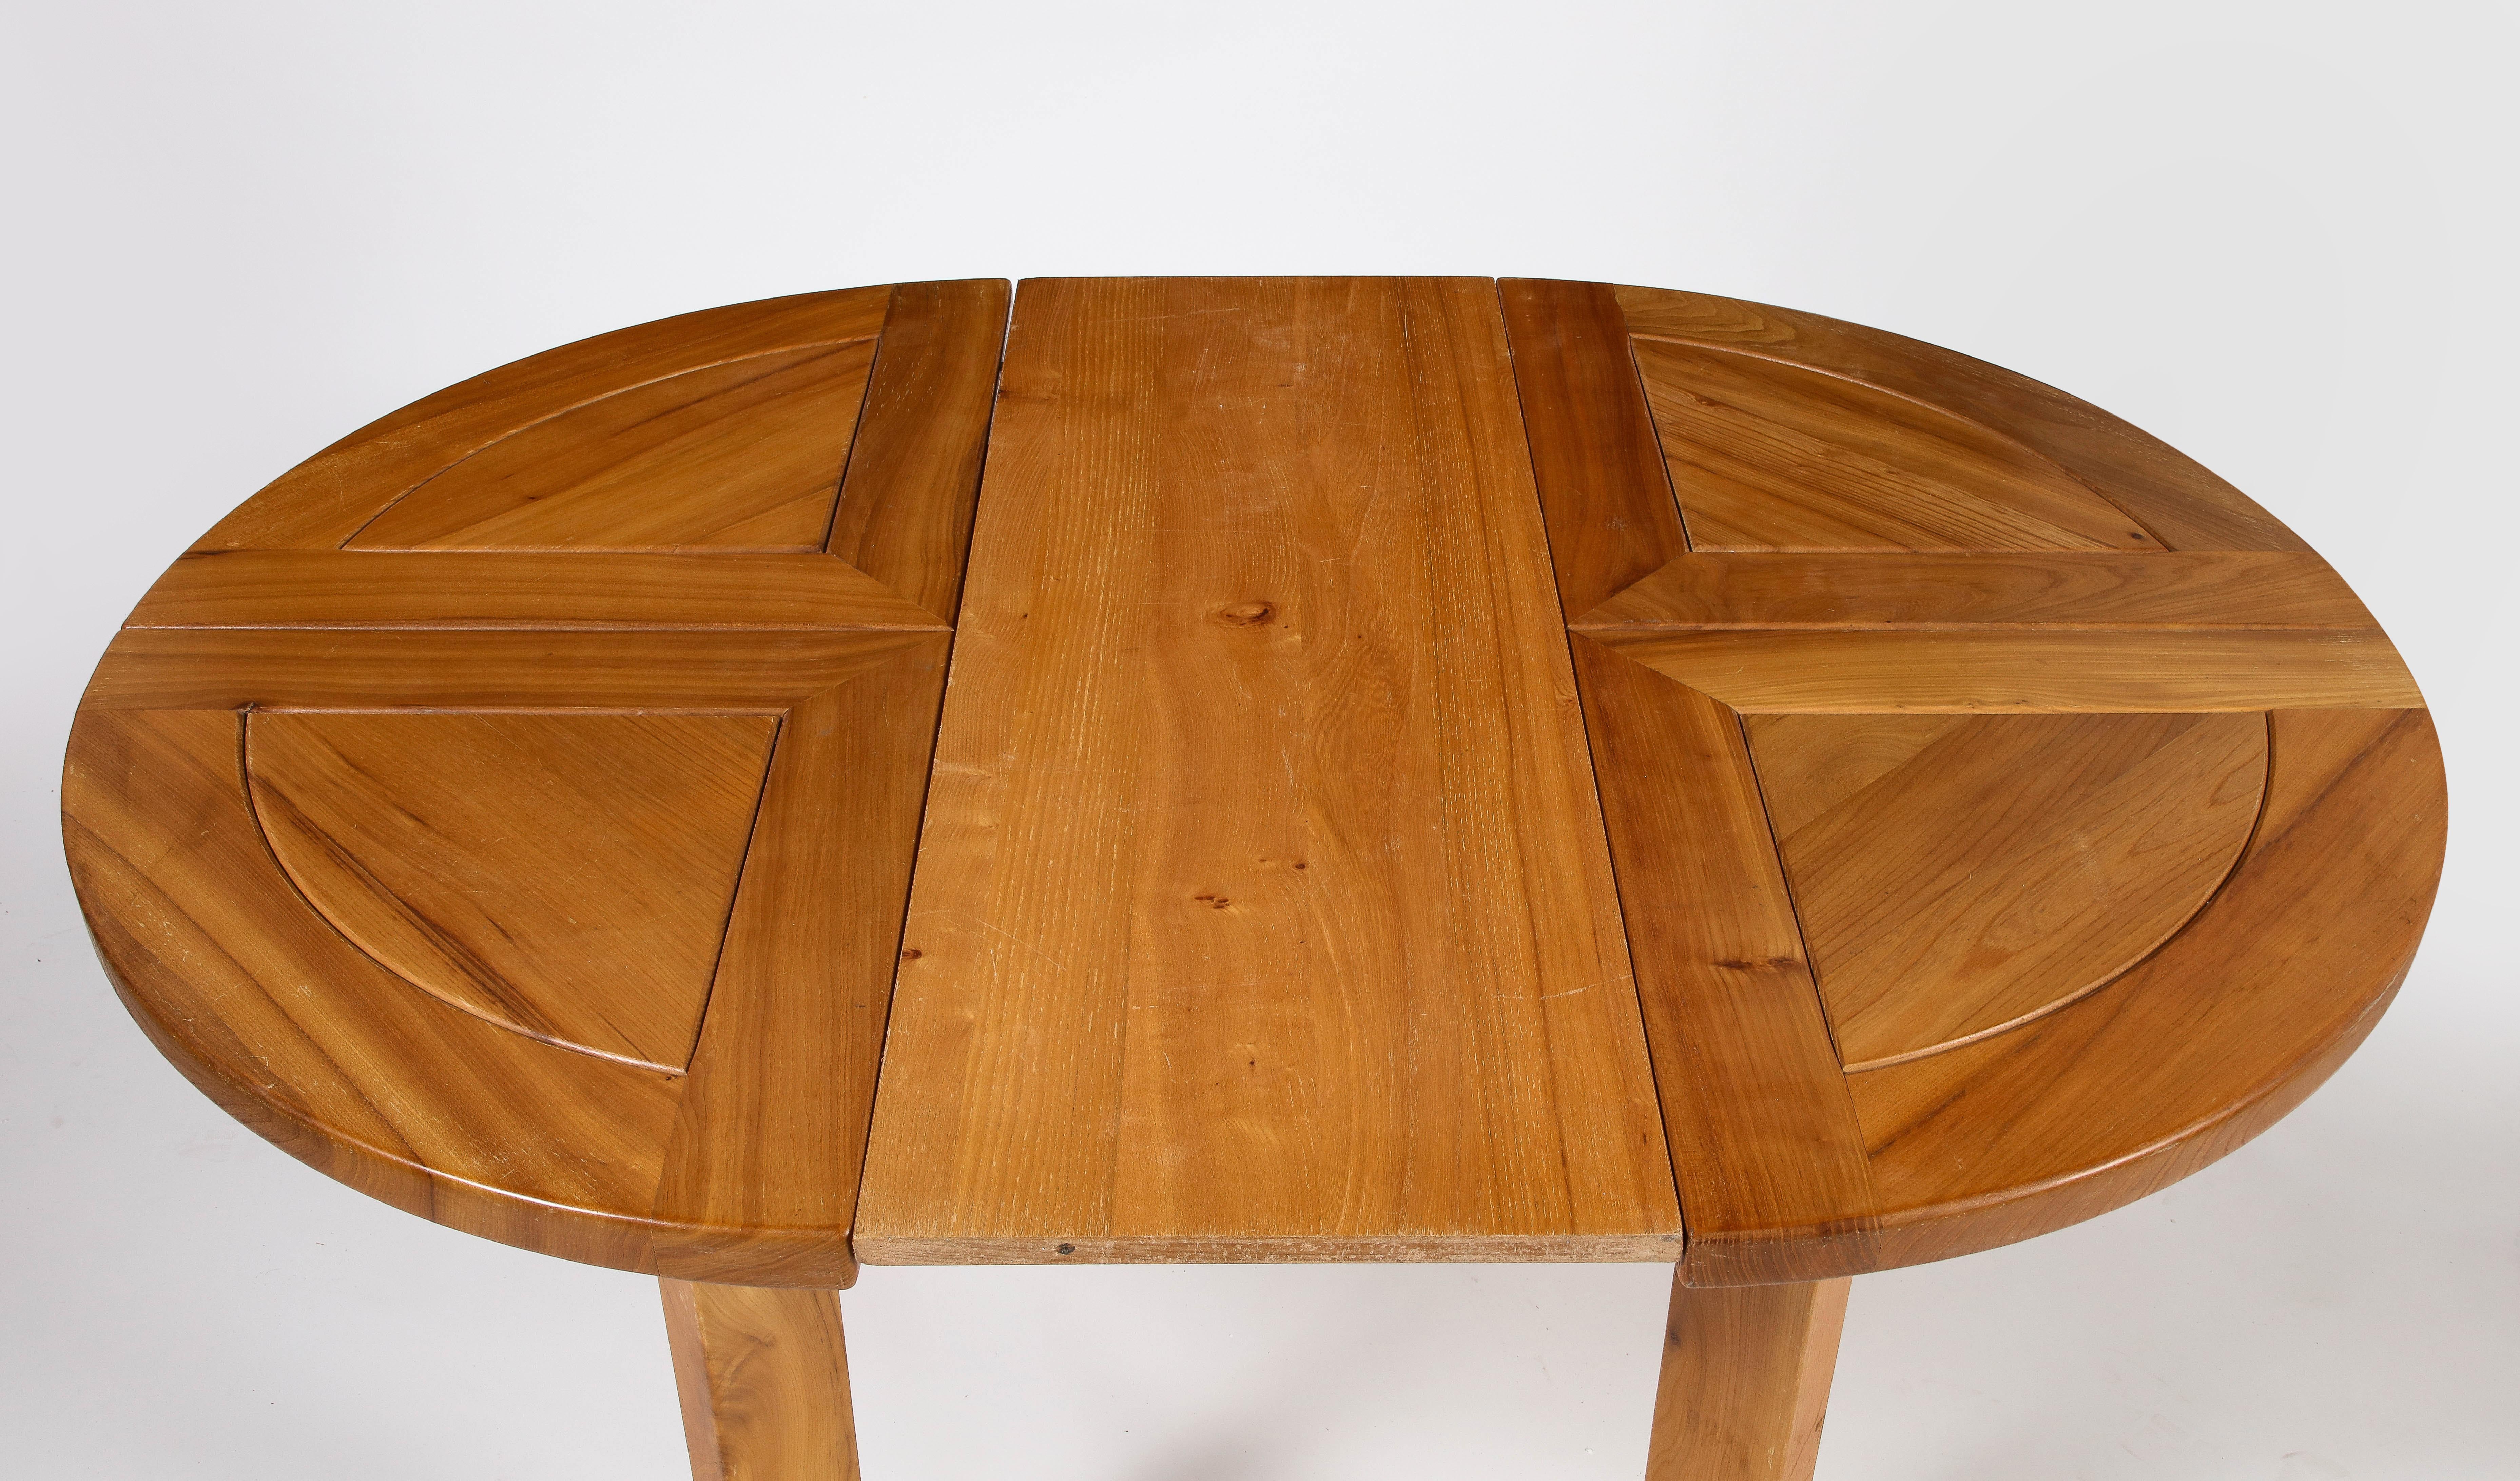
(2015, 764)
(551, 839)
(2204, 1044)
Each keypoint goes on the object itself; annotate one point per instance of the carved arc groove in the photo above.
(1362, 826)
(1765, 454)
(566, 876)
(644, 466)
(1962, 876)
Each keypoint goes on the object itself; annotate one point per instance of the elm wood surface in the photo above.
(1361, 827)
(1957, 875)
(566, 875)
(1769, 455)
(1746, 1376)
(2026, 668)
(324, 501)
(555, 894)
(763, 1377)
(2172, 498)
(745, 455)
(1808, 1148)
(2064, 589)
(1263, 910)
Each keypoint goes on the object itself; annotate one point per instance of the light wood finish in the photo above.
(743, 456)
(1263, 911)
(2179, 502)
(464, 590)
(324, 501)
(2029, 670)
(2017, 793)
(1745, 1377)
(2202, 1046)
(1769, 455)
(554, 666)
(760, 1181)
(764, 1381)
(2005, 865)
(1362, 826)
(567, 877)
(556, 894)
(905, 515)
(2062, 587)
(1770, 1159)
(1610, 512)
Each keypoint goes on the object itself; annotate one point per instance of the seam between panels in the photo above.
(1593, 777)
(927, 782)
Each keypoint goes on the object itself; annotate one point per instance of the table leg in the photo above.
(1745, 1374)
(764, 1383)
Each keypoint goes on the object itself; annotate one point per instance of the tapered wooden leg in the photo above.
(764, 1383)
(1745, 1374)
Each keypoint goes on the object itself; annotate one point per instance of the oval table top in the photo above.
(1408, 769)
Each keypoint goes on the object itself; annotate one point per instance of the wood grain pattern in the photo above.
(2180, 501)
(1764, 1146)
(322, 502)
(1187, 976)
(461, 590)
(760, 1179)
(1288, 891)
(526, 778)
(1610, 514)
(764, 1381)
(2073, 588)
(2003, 866)
(2205, 1043)
(905, 515)
(1769, 455)
(1890, 678)
(310, 1042)
(734, 670)
(741, 455)
(1745, 1379)
(1808, 765)
(567, 877)
(2026, 671)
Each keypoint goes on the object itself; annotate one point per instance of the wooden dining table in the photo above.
(1253, 770)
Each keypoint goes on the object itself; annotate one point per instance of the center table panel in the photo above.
(1263, 908)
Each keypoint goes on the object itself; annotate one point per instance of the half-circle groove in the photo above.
(567, 877)
(1767, 455)
(741, 455)
(1960, 875)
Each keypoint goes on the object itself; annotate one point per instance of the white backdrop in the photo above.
(2278, 235)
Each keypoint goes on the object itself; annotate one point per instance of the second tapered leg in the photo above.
(1745, 1374)
(764, 1381)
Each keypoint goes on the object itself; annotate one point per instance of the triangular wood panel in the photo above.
(1772, 455)
(746, 455)
(2005, 865)
(564, 875)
